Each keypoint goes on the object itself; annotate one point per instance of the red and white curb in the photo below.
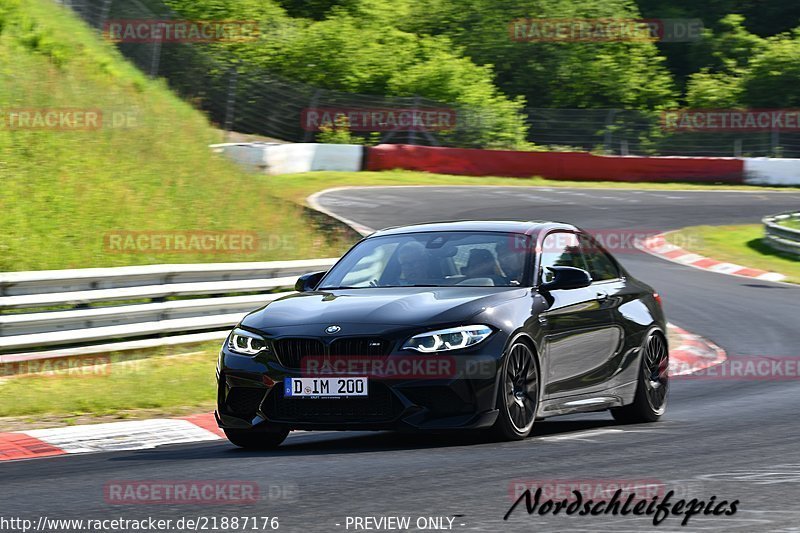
(109, 437)
(692, 354)
(659, 247)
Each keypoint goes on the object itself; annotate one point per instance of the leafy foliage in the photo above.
(358, 49)
(462, 53)
(553, 74)
(748, 70)
(338, 133)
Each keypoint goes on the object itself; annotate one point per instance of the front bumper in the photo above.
(250, 395)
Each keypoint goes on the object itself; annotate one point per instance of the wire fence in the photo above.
(252, 101)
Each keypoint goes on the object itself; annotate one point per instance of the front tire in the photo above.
(650, 401)
(256, 440)
(518, 394)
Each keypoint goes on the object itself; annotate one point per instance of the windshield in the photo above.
(436, 259)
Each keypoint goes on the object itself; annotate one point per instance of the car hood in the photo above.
(387, 306)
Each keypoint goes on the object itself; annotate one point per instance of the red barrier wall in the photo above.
(553, 165)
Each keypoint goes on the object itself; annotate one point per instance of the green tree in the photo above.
(358, 48)
(727, 49)
(773, 79)
(708, 90)
(747, 70)
(552, 74)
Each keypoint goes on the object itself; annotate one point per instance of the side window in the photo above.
(600, 265)
(560, 249)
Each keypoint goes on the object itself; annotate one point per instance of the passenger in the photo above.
(512, 261)
(481, 264)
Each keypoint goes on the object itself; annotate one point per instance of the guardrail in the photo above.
(143, 308)
(780, 237)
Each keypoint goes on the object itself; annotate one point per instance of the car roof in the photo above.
(526, 227)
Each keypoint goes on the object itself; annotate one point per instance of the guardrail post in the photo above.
(231, 104)
(775, 143)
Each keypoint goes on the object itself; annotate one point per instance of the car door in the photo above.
(579, 334)
(612, 292)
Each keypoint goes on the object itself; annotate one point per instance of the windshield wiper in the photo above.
(379, 287)
(415, 285)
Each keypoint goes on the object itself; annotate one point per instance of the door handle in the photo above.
(602, 295)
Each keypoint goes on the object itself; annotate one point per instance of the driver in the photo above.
(413, 263)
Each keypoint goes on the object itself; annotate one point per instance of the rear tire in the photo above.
(256, 440)
(518, 393)
(650, 401)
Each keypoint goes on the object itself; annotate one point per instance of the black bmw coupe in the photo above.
(459, 325)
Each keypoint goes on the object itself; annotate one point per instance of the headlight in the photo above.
(447, 339)
(246, 343)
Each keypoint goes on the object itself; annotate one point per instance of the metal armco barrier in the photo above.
(780, 237)
(29, 322)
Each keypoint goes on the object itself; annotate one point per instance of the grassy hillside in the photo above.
(65, 191)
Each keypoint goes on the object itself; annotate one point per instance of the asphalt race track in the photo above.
(729, 439)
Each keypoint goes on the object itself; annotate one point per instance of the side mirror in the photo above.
(307, 282)
(565, 278)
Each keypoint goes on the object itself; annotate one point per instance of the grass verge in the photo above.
(791, 223)
(742, 245)
(164, 384)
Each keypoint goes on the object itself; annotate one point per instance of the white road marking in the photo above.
(688, 258)
(665, 248)
(725, 268)
(589, 434)
(666, 196)
(582, 435)
(771, 276)
(771, 476)
(116, 436)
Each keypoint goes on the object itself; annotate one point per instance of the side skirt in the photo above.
(582, 403)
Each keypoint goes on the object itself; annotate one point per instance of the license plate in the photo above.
(324, 387)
